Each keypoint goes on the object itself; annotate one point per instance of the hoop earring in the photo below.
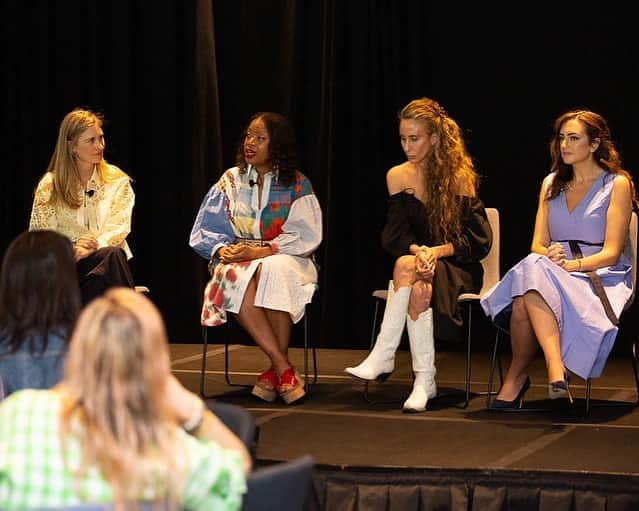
(276, 170)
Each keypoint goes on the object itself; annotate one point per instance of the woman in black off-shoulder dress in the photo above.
(438, 230)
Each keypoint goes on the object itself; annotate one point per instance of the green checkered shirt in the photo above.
(32, 471)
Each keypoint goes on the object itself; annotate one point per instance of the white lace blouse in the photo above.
(105, 213)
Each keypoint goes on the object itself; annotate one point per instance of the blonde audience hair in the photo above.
(115, 375)
(450, 171)
(66, 179)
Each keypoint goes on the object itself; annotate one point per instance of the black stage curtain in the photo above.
(466, 490)
(177, 80)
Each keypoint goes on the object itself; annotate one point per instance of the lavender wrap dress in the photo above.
(586, 333)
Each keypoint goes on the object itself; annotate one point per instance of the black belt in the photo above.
(596, 281)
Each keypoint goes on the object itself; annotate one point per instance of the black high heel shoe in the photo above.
(560, 388)
(515, 404)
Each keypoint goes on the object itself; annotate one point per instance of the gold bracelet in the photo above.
(579, 261)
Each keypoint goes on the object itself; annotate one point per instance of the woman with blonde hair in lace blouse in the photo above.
(89, 201)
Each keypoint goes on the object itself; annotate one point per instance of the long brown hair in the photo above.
(114, 382)
(448, 164)
(66, 178)
(606, 154)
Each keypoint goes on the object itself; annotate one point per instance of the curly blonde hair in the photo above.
(448, 165)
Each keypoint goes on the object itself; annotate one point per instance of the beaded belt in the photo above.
(251, 242)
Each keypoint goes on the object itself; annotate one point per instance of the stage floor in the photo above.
(343, 431)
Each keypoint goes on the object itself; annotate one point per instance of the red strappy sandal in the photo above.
(266, 387)
(291, 386)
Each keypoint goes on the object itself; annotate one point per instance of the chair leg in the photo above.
(370, 347)
(367, 396)
(306, 364)
(633, 361)
(226, 364)
(489, 391)
(634, 369)
(468, 352)
(203, 367)
(306, 351)
(227, 374)
(468, 359)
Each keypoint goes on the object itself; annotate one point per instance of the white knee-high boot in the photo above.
(381, 360)
(422, 350)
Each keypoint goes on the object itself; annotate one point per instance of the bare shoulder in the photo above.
(397, 177)
(546, 183)
(621, 183)
(622, 189)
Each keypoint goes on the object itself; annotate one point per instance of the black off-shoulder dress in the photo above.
(461, 273)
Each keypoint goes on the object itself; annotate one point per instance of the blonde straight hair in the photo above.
(115, 376)
(66, 178)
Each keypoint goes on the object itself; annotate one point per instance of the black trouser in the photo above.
(107, 267)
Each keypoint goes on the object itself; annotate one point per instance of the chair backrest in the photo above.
(491, 261)
(285, 485)
(630, 250)
(238, 420)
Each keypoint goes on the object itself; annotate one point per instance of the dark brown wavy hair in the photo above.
(39, 293)
(447, 163)
(606, 154)
(282, 147)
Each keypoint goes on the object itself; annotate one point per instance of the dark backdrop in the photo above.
(177, 80)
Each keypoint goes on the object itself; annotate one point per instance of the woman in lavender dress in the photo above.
(259, 226)
(548, 299)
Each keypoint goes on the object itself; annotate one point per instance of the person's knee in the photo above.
(421, 294)
(519, 311)
(420, 297)
(404, 265)
(111, 253)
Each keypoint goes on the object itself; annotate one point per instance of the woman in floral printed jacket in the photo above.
(259, 226)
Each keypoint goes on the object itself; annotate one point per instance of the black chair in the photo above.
(285, 485)
(239, 420)
(227, 376)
